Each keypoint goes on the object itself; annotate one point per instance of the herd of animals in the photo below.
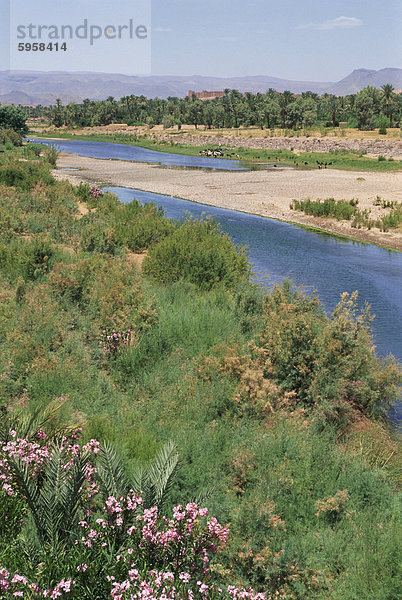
(216, 153)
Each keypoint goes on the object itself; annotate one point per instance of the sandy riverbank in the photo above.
(267, 193)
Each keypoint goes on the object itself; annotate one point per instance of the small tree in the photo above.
(14, 118)
(168, 121)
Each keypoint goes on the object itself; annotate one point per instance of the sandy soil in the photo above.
(266, 193)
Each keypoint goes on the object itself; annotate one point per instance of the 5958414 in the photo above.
(42, 47)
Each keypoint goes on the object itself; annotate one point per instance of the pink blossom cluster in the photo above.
(95, 193)
(112, 341)
(164, 585)
(153, 556)
(117, 516)
(185, 541)
(18, 586)
(36, 453)
(31, 453)
(185, 528)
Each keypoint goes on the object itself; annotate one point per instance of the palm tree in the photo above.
(284, 100)
(155, 481)
(54, 500)
(27, 425)
(58, 114)
(388, 99)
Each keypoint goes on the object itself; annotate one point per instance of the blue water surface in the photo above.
(314, 261)
(109, 150)
(278, 251)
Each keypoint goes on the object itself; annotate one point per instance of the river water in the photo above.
(312, 260)
(278, 251)
(135, 153)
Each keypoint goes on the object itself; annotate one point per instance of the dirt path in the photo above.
(266, 193)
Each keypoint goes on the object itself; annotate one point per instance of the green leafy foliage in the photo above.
(139, 227)
(272, 405)
(8, 135)
(29, 259)
(23, 176)
(198, 252)
(13, 117)
(339, 209)
(327, 363)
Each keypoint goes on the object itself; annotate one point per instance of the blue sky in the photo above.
(321, 40)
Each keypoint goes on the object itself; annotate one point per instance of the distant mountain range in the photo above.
(36, 87)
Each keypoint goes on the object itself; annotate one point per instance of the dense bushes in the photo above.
(24, 176)
(26, 258)
(261, 394)
(303, 359)
(393, 219)
(9, 136)
(13, 117)
(197, 251)
(327, 363)
(139, 227)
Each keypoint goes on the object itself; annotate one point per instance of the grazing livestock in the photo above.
(211, 152)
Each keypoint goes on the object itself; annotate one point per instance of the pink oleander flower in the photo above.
(95, 193)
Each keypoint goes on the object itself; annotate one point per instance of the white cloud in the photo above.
(338, 23)
(162, 29)
(229, 38)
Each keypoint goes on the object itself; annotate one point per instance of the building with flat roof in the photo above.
(204, 95)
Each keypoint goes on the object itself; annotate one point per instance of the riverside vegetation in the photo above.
(368, 109)
(132, 398)
(349, 211)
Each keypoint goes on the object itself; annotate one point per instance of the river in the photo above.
(311, 260)
(278, 251)
(109, 150)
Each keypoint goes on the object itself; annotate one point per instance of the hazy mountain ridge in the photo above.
(35, 87)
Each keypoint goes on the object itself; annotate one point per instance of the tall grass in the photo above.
(348, 211)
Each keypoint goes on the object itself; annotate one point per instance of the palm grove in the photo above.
(366, 110)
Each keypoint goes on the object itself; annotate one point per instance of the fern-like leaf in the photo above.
(161, 474)
(111, 474)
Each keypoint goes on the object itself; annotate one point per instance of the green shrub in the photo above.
(327, 365)
(97, 236)
(51, 155)
(382, 123)
(393, 219)
(11, 136)
(23, 176)
(32, 150)
(339, 209)
(140, 227)
(30, 258)
(82, 191)
(197, 251)
(13, 117)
